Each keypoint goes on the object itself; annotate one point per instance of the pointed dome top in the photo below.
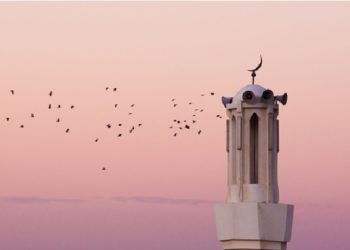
(255, 89)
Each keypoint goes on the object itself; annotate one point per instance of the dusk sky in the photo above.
(158, 190)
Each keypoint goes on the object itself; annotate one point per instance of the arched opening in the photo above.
(254, 149)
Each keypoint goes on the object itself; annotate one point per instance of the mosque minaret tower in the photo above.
(252, 217)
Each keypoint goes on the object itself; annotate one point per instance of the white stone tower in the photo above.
(251, 218)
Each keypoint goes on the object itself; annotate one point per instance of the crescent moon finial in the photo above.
(253, 70)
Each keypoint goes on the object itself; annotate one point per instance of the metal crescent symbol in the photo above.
(258, 67)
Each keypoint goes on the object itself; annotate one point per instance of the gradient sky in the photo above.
(158, 191)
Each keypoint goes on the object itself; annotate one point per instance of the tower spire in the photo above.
(256, 69)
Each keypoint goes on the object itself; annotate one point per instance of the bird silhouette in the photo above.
(199, 132)
(119, 135)
(187, 126)
(49, 106)
(212, 93)
(104, 169)
(130, 114)
(7, 118)
(107, 88)
(67, 130)
(50, 94)
(72, 107)
(115, 105)
(193, 121)
(22, 126)
(202, 94)
(174, 105)
(201, 110)
(96, 140)
(171, 127)
(173, 99)
(58, 120)
(120, 124)
(140, 124)
(190, 103)
(114, 89)
(175, 134)
(58, 106)
(32, 115)
(108, 125)
(12, 92)
(132, 105)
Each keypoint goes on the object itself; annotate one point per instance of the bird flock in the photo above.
(181, 125)
(177, 126)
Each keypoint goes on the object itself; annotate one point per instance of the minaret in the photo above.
(251, 218)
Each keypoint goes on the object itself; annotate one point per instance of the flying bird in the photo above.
(114, 89)
(212, 93)
(58, 120)
(58, 106)
(132, 105)
(187, 126)
(108, 125)
(175, 105)
(12, 92)
(201, 110)
(107, 88)
(49, 106)
(67, 130)
(199, 132)
(31, 115)
(96, 140)
(72, 107)
(7, 118)
(190, 103)
(119, 135)
(140, 124)
(120, 124)
(50, 94)
(103, 168)
(115, 105)
(173, 99)
(202, 94)
(22, 126)
(171, 127)
(175, 134)
(130, 114)
(193, 121)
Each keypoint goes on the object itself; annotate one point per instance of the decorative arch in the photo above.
(254, 149)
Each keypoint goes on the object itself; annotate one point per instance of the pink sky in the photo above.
(53, 194)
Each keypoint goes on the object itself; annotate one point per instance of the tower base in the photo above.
(254, 225)
(253, 245)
